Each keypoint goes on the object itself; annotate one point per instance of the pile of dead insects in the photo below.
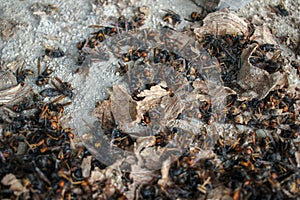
(168, 88)
(38, 157)
(247, 148)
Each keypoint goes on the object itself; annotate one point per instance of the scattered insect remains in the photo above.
(227, 49)
(171, 17)
(134, 55)
(50, 92)
(146, 121)
(25, 104)
(41, 151)
(96, 38)
(136, 22)
(280, 9)
(296, 65)
(121, 139)
(104, 30)
(197, 16)
(43, 77)
(22, 73)
(139, 20)
(54, 53)
(62, 88)
(122, 69)
(251, 153)
(163, 56)
(259, 58)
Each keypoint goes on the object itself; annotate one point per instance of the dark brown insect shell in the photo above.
(134, 55)
(64, 88)
(146, 120)
(122, 21)
(267, 47)
(160, 139)
(43, 77)
(58, 108)
(54, 125)
(139, 20)
(150, 191)
(138, 54)
(21, 106)
(142, 54)
(229, 40)
(93, 42)
(106, 30)
(100, 36)
(281, 10)
(22, 73)
(122, 69)
(81, 58)
(54, 53)
(50, 92)
(134, 95)
(81, 44)
(126, 57)
(187, 161)
(126, 24)
(171, 17)
(196, 17)
(69, 132)
(68, 153)
(206, 105)
(110, 31)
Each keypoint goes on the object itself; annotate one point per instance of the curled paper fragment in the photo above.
(122, 106)
(263, 35)
(223, 22)
(256, 82)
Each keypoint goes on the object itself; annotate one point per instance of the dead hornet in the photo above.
(64, 88)
(134, 55)
(21, 74)
(43, 77)
(172, 18)
(54, 53)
